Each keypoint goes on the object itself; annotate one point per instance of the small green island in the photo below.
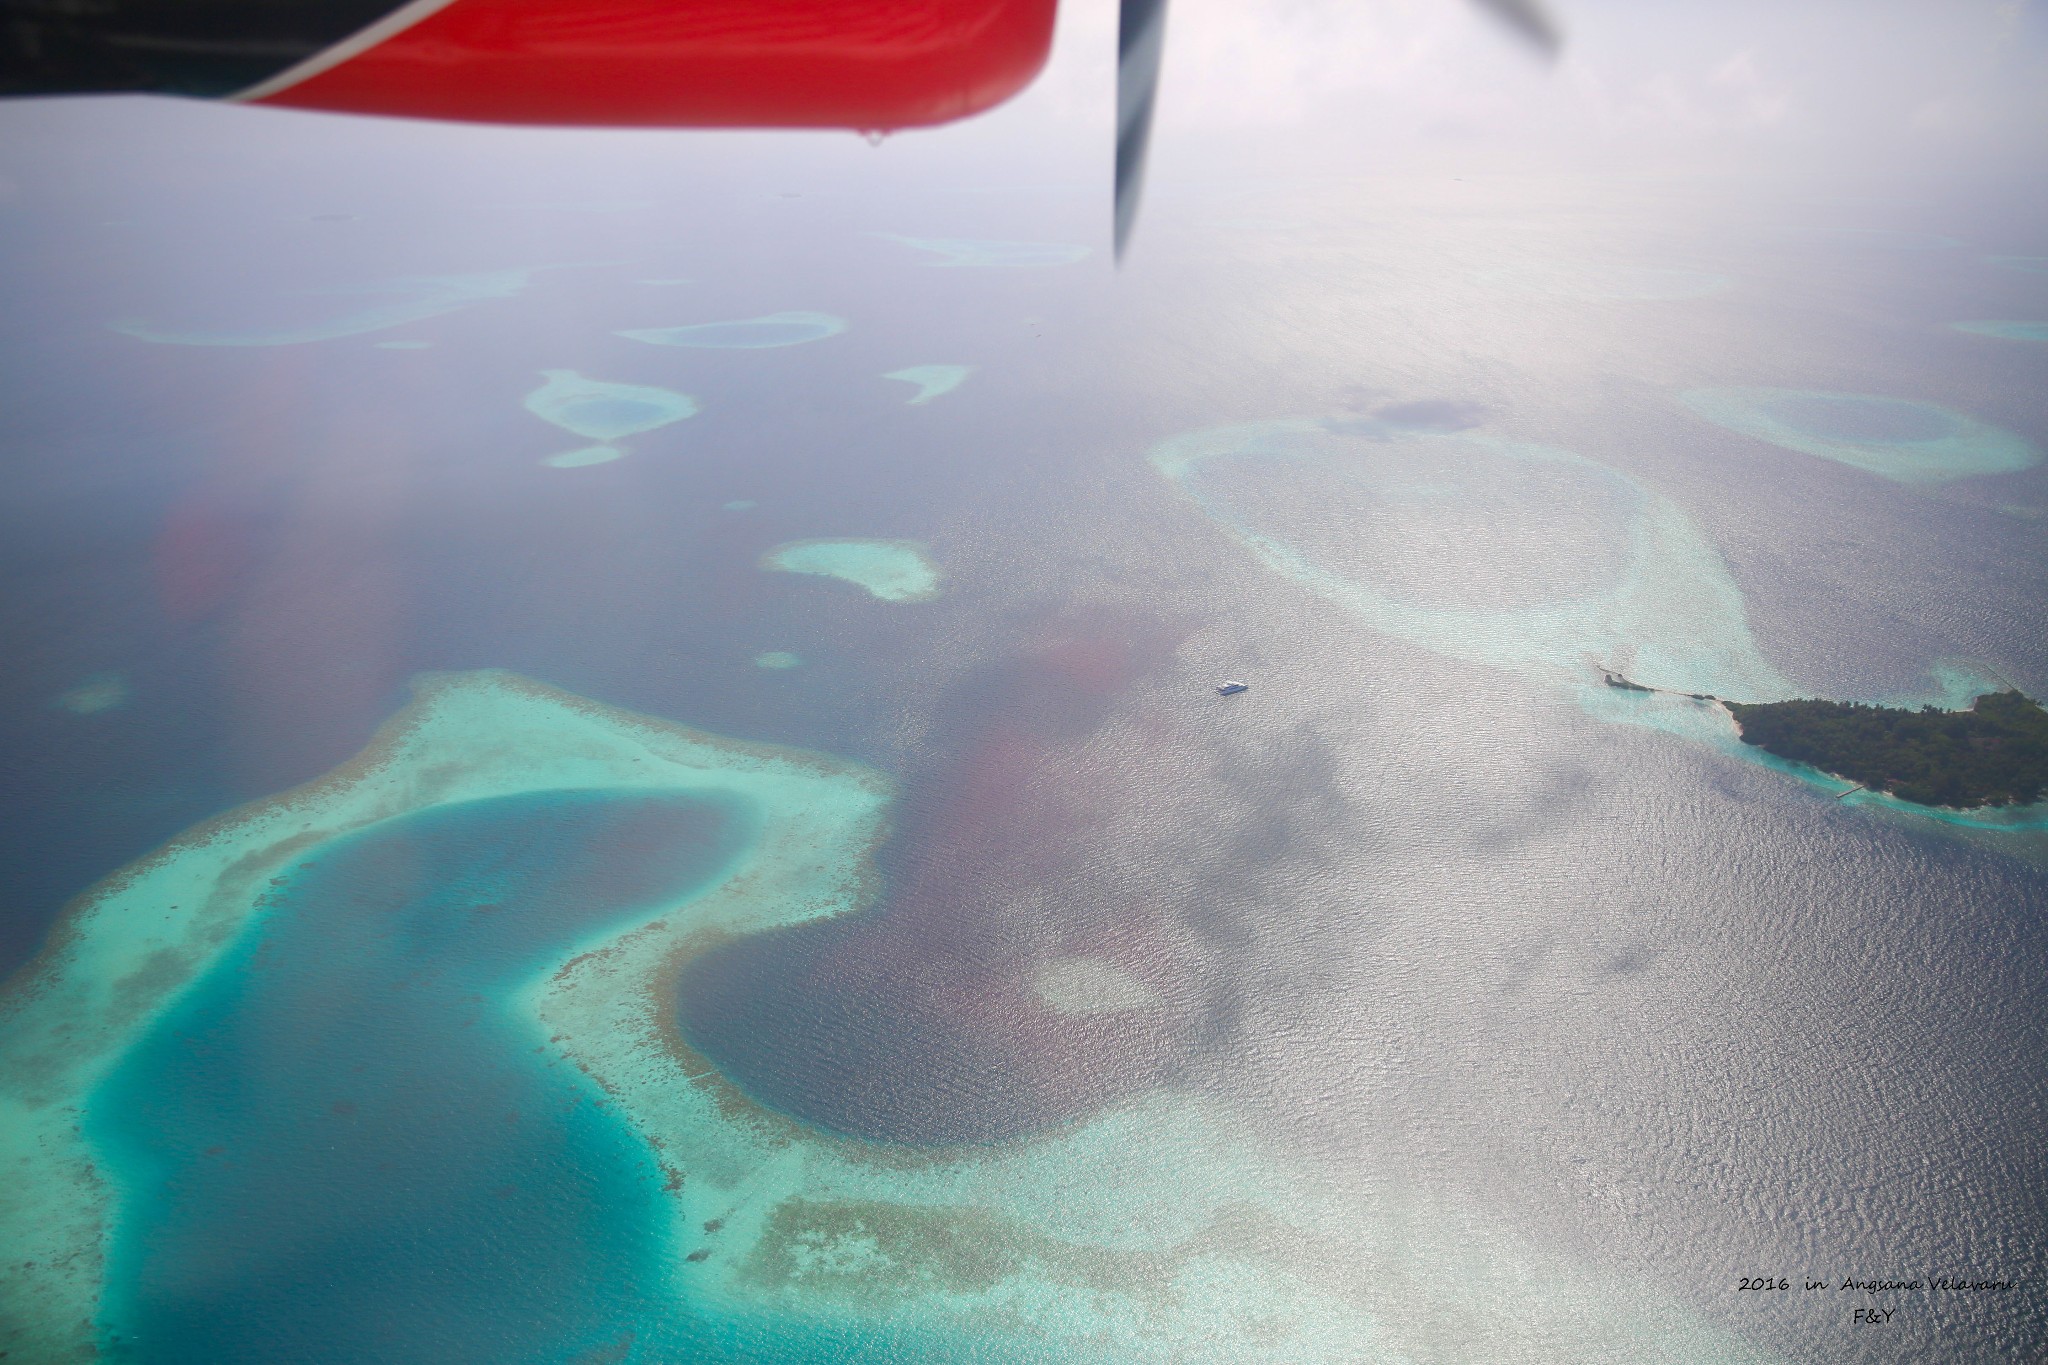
(1993, 754)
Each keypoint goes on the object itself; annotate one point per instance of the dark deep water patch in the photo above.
(343, 1147)
(918, 1024)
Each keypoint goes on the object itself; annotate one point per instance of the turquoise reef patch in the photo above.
(744, 334)
(604, 411)
(1895, 438)
(777, 659)
(94, 694)
(975, 252)
(892, 570)
(931, 380)
(2032, 265)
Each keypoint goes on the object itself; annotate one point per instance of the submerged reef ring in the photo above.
(584, 456)
(893, 570)
(744, 334)
(1521, 557)
(412, 298)
(2032, 265)
(931, 380)
(777, 659)
(974, 252)
(605, 411)
(2005, 331)
(401, 345)
(1894, 438)
(1163, 1229)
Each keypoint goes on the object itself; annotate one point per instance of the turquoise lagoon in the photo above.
(892, 570)
(353, 1076)
(745, 334)
(1894, 438)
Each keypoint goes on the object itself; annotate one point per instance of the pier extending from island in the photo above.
(1616, 679)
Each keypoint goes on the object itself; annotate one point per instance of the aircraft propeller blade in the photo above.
(1530, 22)
(1141, 35)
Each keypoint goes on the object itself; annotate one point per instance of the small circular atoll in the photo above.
(1894, 438)
(605, 411)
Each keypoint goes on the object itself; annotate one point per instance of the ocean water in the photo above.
(1420, 1004)
(340, 1144)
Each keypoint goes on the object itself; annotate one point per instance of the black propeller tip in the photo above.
(1141, 35)
(1529, 21)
